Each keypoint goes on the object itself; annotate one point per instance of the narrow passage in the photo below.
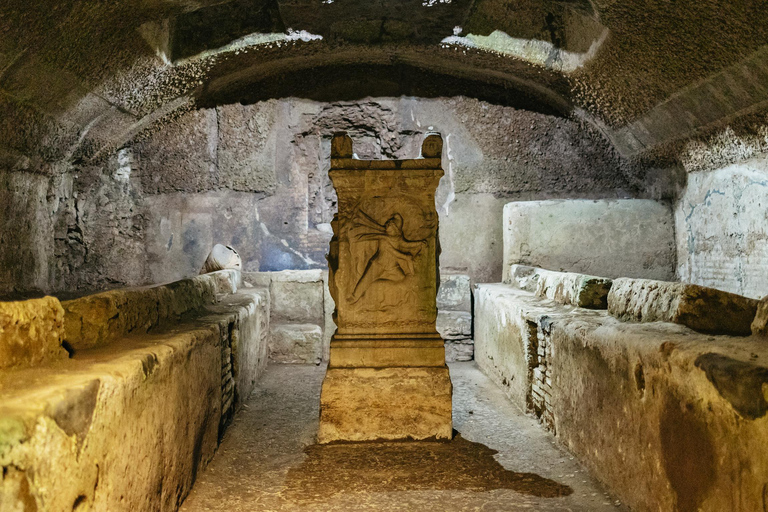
(500, 459)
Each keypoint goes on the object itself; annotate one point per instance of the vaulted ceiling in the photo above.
(78, 77)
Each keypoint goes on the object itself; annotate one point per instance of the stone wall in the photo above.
(126, 422)
(657, 411)
(612, 238)
(722, 225)
(255, 177)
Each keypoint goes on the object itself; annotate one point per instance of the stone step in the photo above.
(454, 324)
(296, 343)
(455, 293)
(567, 288)
(702, 309)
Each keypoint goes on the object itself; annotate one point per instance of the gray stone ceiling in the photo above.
(77, 77)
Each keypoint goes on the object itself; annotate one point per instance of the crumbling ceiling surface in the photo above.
(78, 78)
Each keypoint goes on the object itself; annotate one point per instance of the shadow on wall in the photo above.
(687, 453)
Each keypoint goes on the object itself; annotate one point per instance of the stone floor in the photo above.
(499, 460)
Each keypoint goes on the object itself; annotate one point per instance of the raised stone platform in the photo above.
(136, 411)
(666, 417)
(701, 308)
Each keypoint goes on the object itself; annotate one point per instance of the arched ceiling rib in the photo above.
(77, 76)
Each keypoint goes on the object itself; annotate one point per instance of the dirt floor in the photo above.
(499, 459)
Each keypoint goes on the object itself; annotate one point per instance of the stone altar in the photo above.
(387, 377)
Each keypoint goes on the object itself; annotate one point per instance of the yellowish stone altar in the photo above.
(387, 377)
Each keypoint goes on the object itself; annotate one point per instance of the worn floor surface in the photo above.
(501, 460)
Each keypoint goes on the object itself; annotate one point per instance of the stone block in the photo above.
(105, 317)
(454, 293)
(370, 404)
(698, 307)
(459, 350)
(296, 343)
(611, 238)
(31, 332)
(760, 323)
(454, 324)
(562, 287)
(297, 296)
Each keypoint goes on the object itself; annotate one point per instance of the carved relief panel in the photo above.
(383, 256)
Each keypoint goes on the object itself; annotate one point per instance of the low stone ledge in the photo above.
(30, 332)
(105, 317)
(635, 402)
(59, 421)
(580, 290)
(296, 343)
(149, 412)
(700, 308)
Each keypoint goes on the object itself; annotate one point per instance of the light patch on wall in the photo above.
(727, 147)
(253, 42)
(451, 194)
(538, 52)
(157, 35)
(124, 160)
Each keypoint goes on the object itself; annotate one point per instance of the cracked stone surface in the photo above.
(500, 459)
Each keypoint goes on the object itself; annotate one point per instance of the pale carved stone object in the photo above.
(222, 257)
(387, 377)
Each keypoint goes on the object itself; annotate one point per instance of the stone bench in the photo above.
(701, 308)
(562, 287)
(127, 420)
(663, 415)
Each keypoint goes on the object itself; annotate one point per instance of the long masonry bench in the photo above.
(115, 401)
(670, 419)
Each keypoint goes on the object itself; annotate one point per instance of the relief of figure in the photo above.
(392, 259)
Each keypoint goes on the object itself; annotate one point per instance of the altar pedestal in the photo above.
(387, 377)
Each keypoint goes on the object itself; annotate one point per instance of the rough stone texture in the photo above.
(300, 302)
(150, 211)
(459, 350)
(297, 296)
(454, 324)
(24, 224)
(296, 343)
(722, 228)
(31, 332)
(702, 309)
(455, 293)
(651, 403)
(760, 324)
(368, 404)
(131, 425)
(105, 317)
(506, 342)
(562, 287)
(454, 317)
(611, 238)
